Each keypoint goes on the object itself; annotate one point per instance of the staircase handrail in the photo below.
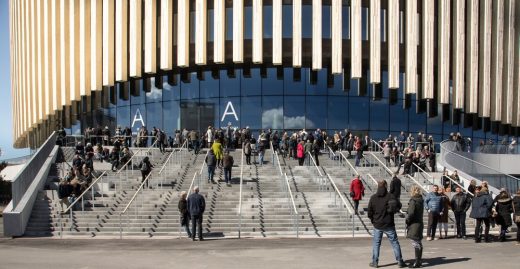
(416, 182)
(126, 164)
(315, 165)
(349, 164)
(422, 170)
(171, 154)
(382, 164)
(457, 183)
(191, 184)
(204, 161)
(338, 192)
(373, 179)
(376, 143)
(84, 192)
(135, 194)
(240, 191)
(294, 210)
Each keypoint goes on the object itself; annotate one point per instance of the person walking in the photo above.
(460, 204)
(395, 187)
(433, 204)
(194, 139)
(247, 152)
(443, 220)
(316, 152)
(481, 211)
(414, 223)
(227, 164)
(381, 209)
(516, 215)
(211, 162)
(217, 150)
(504, 208)
(357, 191)
(146, 168)
(183, 213)
(196, 207)
(300, 153)
(358, 147)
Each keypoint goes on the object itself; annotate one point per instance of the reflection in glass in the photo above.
(294, 113)
(316, 115)
(272, 114)
(251, 112)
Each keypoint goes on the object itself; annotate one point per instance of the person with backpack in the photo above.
(146, 168)
(227, 164)
(381, 209)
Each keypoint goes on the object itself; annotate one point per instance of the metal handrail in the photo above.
(456, 183)
(294, 209)
(130, 203)
(126, 164)
(191, 185)
(376, 143)
(315, 165)
(204, 162)
(416, 182)
(240, 192)
(473, 161)
(382, 164)
(84, 192)
(422, 170)
(349, 164)
(169, 157)
(373, 179)
(338, 192)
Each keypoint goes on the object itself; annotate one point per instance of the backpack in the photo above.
(144, 167)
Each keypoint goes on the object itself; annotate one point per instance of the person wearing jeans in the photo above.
(381, 209)
(196, 207)
(481, 211)
(433, 204)
(460, 204)
(211, 162)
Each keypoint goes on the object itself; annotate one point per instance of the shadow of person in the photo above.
(441, 260)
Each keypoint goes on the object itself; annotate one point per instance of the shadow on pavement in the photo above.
(442, 260)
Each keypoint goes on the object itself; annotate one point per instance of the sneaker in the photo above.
(373, 264)
(428, 238)
(464, 237)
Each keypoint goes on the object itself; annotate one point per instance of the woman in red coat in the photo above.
(300, 153)
(357, 191)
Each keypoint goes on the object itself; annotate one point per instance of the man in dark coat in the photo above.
(504, 208)
(184, 214)
(211, 162)
(414, 223)
(395, 187)
(460, 204)
(381, 209)
(196, 207)
(481, 211)
(227, 164)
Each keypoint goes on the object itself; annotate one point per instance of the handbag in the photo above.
(516, 217)
(352, 194)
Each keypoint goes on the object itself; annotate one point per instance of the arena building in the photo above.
(376, 67)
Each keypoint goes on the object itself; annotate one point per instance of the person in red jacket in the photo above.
(300, 153)
(357, 191)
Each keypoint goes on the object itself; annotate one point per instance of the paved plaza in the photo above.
(245, 253)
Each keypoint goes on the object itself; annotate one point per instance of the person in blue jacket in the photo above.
(433, 204)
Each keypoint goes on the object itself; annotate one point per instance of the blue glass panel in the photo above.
(229, 23)
(209, 87)
(316, 114)
(251, 114)
(248, 20)
(123, 116)
(230, 86)
(320, 88)
(272, 112)
(155, 94)
(209, 112)
(171, 114)
(292, 87)
(294, 112)
(230, 112)
(190, 90)
(417, 122)
(141, 98)
(268, 21)
(379, 116)
(155, 116)
(287, 24)
(358, 113)
(120, 102)
(326, 22)
(398, 117)
(435, 123)
(448, 127)
(252, 85)
(306, 21)
(337, 113)
(171, 92)
(272, 85)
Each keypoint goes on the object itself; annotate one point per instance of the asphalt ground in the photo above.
(246, 253)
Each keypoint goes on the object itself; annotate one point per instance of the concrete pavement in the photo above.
(245, 253)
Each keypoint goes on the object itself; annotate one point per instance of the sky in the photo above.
(6, 136)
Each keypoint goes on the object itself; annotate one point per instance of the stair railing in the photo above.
(336, 159)
(383, 168)
(376, 144)
(132, 200)
(200, 179)
(320, 179)
(352, 170)
(456, 183)
(134, 159)
(338, 194)
(183, 151)
(295, 215)
(168, 164)
(80, 198)
(240, 192)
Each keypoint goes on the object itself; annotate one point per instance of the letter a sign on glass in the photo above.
(138, 117)
(230, 110)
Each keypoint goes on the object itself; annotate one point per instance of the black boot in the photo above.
(418, 257)
(401, 264)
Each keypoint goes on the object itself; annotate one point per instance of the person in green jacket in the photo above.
(217, 149)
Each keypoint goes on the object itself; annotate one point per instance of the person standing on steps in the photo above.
(316, 152)
(146, 168)
(481, 211)
(381, 209)
(183, 212)
(395, 187)
(414, 223)
(433, 204)
(247, 152)
(443, 220)
(217, 150)
(357, 191)
(227, 164)
(504, 208)
(196, 207)
(300, 153)
(211, 162)
(460, 204)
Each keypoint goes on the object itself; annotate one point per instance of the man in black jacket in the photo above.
(395, 187)
(460, 204)
(381, 209)
(196, 207)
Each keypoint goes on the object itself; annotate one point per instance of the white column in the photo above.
(219, 33)
(238, 31)
(166, 35)
(375, 41)
(355, 41)
(96, 45)
(121, 40)
(258, 31)
(393, 44)
(509, 59)
(485, 58)
(444, 51)
(316, 34)
(108, 43)
(135, 38)
(297, 34)
(428, 26)
(200, 32)
(459, 11)
(150, 36)
(497, 59)
(277, 32)
(411, 46)
(472, 63)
